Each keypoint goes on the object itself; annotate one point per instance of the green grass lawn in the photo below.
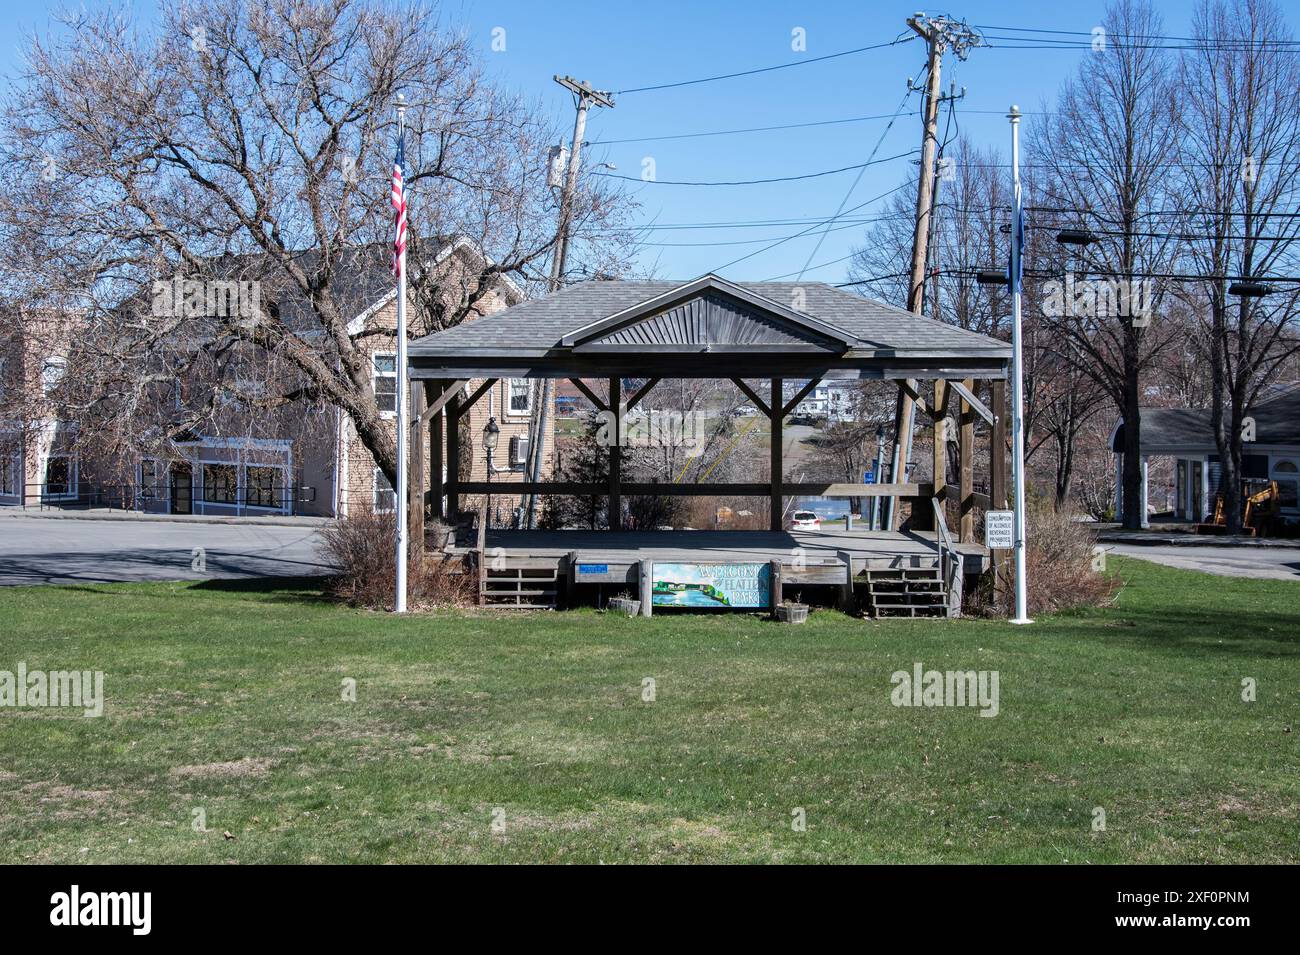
(227, 698)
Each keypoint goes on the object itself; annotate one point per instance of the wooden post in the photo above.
(939, 433)
(776, 591)
(846, 589)
(432, 391)
(998, 487)
(966, 461)
(647, 587)
(453, 458)
(415, 482)
(998, 449)
(777, 420)
(615, 513)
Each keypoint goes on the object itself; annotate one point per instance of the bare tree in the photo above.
(253, 142)
(1240, 164)
(1103, 161)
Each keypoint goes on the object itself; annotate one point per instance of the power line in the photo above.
(765, 69)
(857, 179)
(1150, 36)
(809, 229)
(757, 182)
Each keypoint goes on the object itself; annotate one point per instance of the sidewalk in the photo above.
(116, 514)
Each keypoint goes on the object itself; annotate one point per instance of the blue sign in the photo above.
(593, 568)
(868, 477)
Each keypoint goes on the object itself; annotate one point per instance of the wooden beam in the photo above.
(435, 452)
(803, 393)
(591, 395)
(966, 462)
(415, 472)
(777, 420)
(453, 453)
(642, 392)
(998, 490)
(967, 391)
(776, 591)
(939, 435)
(440, 402)
(479, 392)
(614, 515)
(758, 402)
(666, 489)
(908, 386)
(998, 448)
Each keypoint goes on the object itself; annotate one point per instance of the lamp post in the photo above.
(491, 434)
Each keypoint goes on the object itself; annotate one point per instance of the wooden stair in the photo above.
(520, 587)
(903, 592)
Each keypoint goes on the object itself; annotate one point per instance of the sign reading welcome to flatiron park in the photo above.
(712, 586)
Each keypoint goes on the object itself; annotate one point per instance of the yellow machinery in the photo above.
(1263, 514)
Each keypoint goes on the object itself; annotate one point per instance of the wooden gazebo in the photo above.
(710, 328)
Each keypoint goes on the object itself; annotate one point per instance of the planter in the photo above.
(792, 613)
(623, 605)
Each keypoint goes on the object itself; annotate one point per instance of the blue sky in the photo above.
(621, 45)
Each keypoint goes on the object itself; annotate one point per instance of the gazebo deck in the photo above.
(626, 549)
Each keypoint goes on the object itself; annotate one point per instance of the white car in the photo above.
(805, 521)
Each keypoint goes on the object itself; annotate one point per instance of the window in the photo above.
(385, 497)
(220, 484)
(265, 487)
(1287, 476)
(9, 475)
(153, 477)
(519, 396)
(60, 476)
(386, 383)
(51, 374)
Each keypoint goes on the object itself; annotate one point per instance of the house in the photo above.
(304, 458)
(38, 450)
(1271, 453)
(831, 402)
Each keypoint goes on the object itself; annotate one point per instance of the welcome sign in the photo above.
(712, 586)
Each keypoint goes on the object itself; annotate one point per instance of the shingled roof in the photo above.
(708, 316)
(1176, 430)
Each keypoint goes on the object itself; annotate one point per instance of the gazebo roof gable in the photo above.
(709, 314)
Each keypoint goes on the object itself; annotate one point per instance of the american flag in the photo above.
(399, 204)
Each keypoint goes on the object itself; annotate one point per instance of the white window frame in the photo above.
(375, 490)
(376, 374)
(161, 485)
(508, 385)
(1291, 477)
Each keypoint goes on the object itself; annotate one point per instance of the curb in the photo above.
(1192, 541)
(136, 517)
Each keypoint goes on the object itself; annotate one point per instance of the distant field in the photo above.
(226, 698)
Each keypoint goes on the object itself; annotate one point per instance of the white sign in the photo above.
(999, 530)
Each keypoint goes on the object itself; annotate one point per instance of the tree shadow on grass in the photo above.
(1199, 631)
(310, 590)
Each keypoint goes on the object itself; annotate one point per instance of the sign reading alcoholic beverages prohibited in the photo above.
(999, 530)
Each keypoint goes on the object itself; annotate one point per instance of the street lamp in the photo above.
(1249, 289)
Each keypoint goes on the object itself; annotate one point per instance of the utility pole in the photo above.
(586, 96)
(939, 34)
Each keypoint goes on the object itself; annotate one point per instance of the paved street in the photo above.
(48, 551)
(1275, 563)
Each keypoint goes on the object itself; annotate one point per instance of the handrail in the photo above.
(948, 554)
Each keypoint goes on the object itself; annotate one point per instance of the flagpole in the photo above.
(1017, 374)
(399, 604)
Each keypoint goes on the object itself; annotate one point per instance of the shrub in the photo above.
(1059, 564)
(361, 547)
